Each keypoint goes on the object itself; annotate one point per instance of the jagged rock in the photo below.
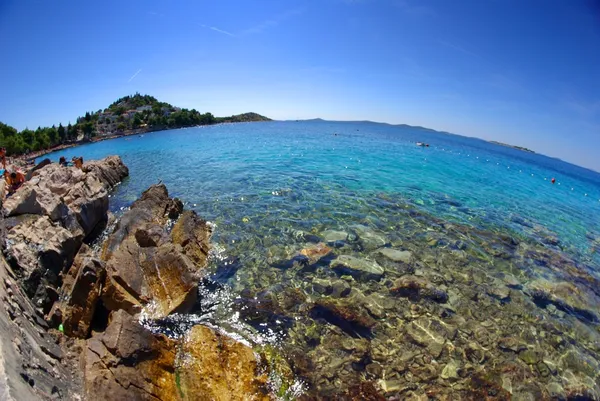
(155, 200)
(32, 365)
(31, 173)
(139, 276)
(143, 268)
(369, 239)
(193, 234)
(110, 170)
(415, 288)
(129, 362)
(362, 268)
(350, 317)
(68, 193)
(41, 250)
(215, 367)
(79, 294)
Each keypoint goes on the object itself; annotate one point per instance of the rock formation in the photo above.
(70, 321)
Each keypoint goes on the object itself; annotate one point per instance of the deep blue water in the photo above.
(321, 172)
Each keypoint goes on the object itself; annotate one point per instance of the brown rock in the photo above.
(216, 367)
(351, 318)
(415, 288)
(79, 294)
(128, 362)
(193, 234)
(138, 275)
(155, 200)
(315, 252)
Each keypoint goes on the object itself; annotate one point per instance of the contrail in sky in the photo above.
(134, 75)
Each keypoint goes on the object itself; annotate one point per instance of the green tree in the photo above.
(88, 129)
(121, 127)
(62, 133)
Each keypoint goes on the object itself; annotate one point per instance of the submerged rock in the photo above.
(368, 238)
(430, 333)
(316, 252)
(350, 317)
(415, 288)
(361, 268)
(332, 236)
(396, 255)
(566, 297)
(215, 367)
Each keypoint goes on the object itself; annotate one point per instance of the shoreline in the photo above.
(31, 156)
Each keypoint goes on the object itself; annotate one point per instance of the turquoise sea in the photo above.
(517, 257)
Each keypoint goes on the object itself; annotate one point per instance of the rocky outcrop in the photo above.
(33, 364)
(70, 317)
(50, 216)
(144, 267)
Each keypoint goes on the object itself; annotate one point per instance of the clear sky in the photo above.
(525, 72)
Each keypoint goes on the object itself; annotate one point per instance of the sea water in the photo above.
(274, 188)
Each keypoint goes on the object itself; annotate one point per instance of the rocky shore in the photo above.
(75, 285)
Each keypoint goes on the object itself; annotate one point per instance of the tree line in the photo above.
(125, 114)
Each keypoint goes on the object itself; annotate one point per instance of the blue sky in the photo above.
(525, 72)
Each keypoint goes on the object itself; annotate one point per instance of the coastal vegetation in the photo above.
(127, 115)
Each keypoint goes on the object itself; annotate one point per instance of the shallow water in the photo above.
(517, 257)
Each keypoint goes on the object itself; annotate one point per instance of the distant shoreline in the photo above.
(31, 156)
(512, 146)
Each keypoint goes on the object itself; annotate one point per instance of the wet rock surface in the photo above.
(71, 318)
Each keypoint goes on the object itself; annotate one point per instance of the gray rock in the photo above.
(357, 267)
(396, 255)
(369, 239)
(332, 236)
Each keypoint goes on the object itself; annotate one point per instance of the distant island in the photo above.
(512, 146)
(126, 116)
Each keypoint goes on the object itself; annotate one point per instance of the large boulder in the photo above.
(144, 268)
(215, 367)
(128, 362)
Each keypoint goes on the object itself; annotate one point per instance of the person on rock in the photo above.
(3, 157)
(78, 162)
(14, 181)
(62, 161)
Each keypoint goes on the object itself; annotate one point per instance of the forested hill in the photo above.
(129, 114)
